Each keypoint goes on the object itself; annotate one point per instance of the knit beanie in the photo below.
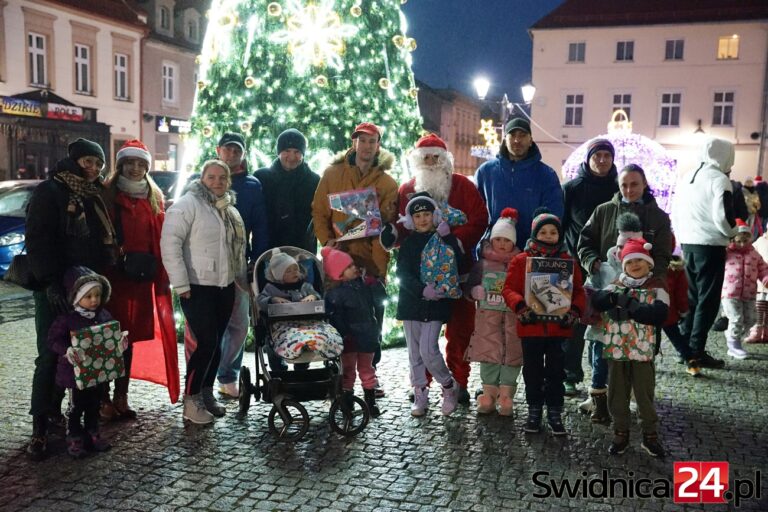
(541, 217)
(278, 264)
(78, 280)
(505, 225)
(742, 227)
(291, 139)
(134, 149)
(600, 145)
(335, 262)
(636, 249)
(84, 147)
(420, 202)
(629, 226)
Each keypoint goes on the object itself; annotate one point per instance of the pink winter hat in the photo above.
(335, 262)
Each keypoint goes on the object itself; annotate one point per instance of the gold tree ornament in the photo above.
(245, 126)
(356, 11)
(399, 41)
(207, 131)
(274, 9)
(414, 92)
(321, 80)
(384, 83)
(228, 20)
(410, 44)
(250, 82)
(200, 85)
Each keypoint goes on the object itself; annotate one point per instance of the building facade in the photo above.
(681, 71)
(68, 69)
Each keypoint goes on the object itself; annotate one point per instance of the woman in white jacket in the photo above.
(203, 248)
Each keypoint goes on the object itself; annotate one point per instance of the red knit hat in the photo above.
(742, 227)
(135, 149)
(634, 249)
(335, 262)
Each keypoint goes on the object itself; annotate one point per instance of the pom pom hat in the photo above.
(335, 262)
(420, 202)
(134, 149)
(636, 249)
(505, 225)
(278, 264)
(541, 217)
(629, 226)
(742, 227)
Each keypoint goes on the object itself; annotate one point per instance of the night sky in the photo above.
(460, 39)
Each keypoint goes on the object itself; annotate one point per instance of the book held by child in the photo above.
(548, 287)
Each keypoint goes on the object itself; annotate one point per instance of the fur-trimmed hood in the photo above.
(384, 159)
(76, 277)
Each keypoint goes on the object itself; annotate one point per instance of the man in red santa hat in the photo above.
(432, 166)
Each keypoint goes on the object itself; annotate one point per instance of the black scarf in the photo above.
(538, 248)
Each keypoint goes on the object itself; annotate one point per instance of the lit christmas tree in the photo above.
(320, 66)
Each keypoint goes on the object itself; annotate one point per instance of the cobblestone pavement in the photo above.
(397, 463)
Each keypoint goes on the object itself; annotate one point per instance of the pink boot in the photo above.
(486, 403)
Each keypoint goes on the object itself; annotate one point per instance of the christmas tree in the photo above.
(320, 66)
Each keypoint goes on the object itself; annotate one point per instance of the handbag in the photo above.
(137, 266)
(20, 273)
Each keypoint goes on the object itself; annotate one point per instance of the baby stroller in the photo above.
(285, 390)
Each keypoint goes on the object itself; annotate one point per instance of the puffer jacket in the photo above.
(194, 246)
(677, 286)
(343, 175)
(495, 339)
(351, 311)
(59, 340)
(743, 268)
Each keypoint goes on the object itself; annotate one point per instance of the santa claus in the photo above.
(432, 166)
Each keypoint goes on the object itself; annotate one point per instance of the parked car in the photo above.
(167, 181)
(14, 199)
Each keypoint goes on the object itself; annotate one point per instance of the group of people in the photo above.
(622, 283)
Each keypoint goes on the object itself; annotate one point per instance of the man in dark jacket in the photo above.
(67, 225)
(594, 185)
(289, 186)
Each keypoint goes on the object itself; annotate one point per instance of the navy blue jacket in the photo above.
(252, 208)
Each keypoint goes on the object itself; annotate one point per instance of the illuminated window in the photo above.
(728, 47)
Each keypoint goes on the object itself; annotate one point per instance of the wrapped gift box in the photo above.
(102, 359)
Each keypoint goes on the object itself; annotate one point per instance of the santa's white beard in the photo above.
(435, 179)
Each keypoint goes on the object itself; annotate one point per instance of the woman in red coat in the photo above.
(143, 306)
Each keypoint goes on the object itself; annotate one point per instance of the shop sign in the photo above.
(20, 107)
(166, 124)
(64, 112)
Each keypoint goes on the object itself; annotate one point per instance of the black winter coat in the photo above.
(582, 195)
(289, 195)
(50, 247)
(350, 310)
(411, 304)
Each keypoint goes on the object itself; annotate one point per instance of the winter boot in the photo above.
(620, 442)
(107, 410)
(756, 334)
(587, 406)
(651, 445)
(533, 424)
(463, 396)
(735, 350)
(348, 400)
(450, 398)
(195, 411)
(506, 400)
(370, 401)
(38, 445)
(211, 404)
(96, 443)
(554, 418)
(75, 447)
(600, 405)
(721, 324)
(420, 401)
(120, 403)
(486, 402)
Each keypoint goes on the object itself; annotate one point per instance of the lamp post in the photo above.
(507, 108)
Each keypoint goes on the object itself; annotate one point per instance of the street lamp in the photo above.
(529, 91)
(481, 85)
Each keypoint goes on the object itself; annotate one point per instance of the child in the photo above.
(629, 226)
(87, 292)
(292, 337)
(543, 356)
(743, 268)
(421, 306)
(495, 343)
(759, 331)
(350, 309)
(631, 307)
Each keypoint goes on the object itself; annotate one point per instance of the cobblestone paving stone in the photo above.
(398, 463)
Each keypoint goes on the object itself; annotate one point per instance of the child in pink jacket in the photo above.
(743, 267)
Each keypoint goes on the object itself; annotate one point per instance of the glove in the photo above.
(124, 343)
(74, 355)
(431, 293)
(388, 236)
(569, 319)
(618, 314)
(443, 229)
(478, 292)
(621, 299)
(632, 305)
(57, 299)
(527, 316)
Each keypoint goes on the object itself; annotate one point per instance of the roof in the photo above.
(126, 11)
(610, 13)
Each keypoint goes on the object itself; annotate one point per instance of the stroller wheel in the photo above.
(245, 390)
(349, 423)
(290, 423)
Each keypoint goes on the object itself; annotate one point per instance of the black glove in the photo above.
(621, 299)
(527, 316)
(569, 319)
(388, 236)
(57, 299)
(618, 314)
(632, 305)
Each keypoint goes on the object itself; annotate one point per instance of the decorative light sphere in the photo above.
(274, 9)
(411, 44)
(384, 83)
(245, 126)
(250, 82)
(321, 80)
(399, 41)
(207, 131)
(356, 11)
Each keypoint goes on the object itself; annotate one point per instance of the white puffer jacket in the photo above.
(194, 244)
(698, 210)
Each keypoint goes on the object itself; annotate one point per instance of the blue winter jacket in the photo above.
(251, 206)
(525, 185)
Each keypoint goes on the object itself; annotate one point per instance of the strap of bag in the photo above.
(119, 228)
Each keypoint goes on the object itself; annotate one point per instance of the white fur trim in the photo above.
(636, 256)
(83, 291)
(134, 153)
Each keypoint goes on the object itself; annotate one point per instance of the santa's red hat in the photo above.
(742, 227)
(758, 179)
(429, 144)
(134, 149)
(636, 249)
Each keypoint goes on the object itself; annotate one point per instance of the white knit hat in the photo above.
(278, 264)
(135, 149)
(505, 225)
(83, 291)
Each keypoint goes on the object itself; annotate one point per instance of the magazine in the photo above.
(102, 359)
(549, 287)
(362, 210)
(493, 282)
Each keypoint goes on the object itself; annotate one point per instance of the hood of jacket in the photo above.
(718, 154)
(533, 157)
(384, 159)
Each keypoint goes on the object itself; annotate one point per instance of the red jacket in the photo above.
(677, 286)
(513, 293)
(464, 196)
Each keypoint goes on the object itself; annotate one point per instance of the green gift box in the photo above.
(102, 359)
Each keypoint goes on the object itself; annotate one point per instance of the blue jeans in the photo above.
(233, 341)
(599, 365)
